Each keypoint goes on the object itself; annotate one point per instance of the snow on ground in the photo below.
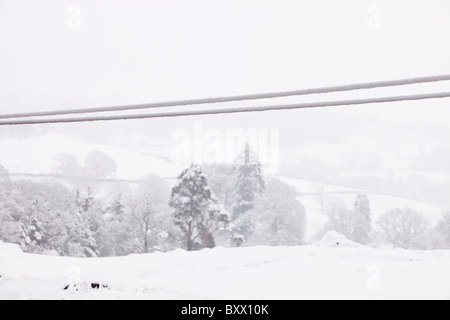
(309, 186)
(397, 176)
(335, 154)
(307, 272)
(335, 239)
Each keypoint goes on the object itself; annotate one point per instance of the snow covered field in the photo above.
(379, 203)
(320, 271)
(36, 155)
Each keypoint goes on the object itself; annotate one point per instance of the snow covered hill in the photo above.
(36, 156)
(310, 272)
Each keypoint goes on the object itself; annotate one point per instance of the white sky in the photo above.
(138, 51)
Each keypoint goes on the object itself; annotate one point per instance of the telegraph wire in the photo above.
(391, 99)
(238, 98)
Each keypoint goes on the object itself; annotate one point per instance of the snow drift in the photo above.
(335, 239)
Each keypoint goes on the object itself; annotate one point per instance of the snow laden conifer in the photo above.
(249, 185)
(196, 209)
(249, 182)
(33, 235)
(362, 225)
(86, 221)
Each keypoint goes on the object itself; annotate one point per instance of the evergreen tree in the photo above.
(80, 240)
(196, 209)
(33, 235)
(88, 202)
(250, 182)
(362, 223)
(115, 209)
(87, 220)
(249, 185)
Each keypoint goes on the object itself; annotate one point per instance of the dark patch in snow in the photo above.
(98, 286)
(93, 286)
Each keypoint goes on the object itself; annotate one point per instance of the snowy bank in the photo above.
(306, 272)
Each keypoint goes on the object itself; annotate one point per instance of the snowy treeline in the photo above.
(47, 217)
(216, 204)
(399, 227)
(97, 165)
(236, 203)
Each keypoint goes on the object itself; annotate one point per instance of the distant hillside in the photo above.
(36, 156)
(311, 192)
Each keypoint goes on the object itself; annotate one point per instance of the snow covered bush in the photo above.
(404, 228)
(277, 218)
(43, 217)
(333, 239)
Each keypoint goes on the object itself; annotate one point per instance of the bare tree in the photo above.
(404, 228)
(99, 165)
(341, 219)
(152, 220)
(67, 165)
(143, 213)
